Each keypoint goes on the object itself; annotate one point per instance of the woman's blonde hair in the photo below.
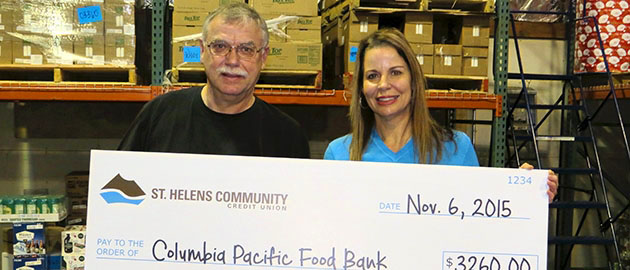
(428, 137)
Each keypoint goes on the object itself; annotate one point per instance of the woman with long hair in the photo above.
(389, 114)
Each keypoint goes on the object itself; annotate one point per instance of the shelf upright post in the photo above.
(157, 42)
(500, 70)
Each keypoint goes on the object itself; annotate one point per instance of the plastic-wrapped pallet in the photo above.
(69, 32)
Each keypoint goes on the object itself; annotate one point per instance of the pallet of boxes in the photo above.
(67, 41)
(451, 46)
(295, 47)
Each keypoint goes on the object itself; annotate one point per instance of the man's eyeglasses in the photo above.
(244, 51)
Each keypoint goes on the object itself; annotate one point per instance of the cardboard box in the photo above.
(73, 241)
(350, 56)
(304, 35)
(358, 26)
(200, 5)
(120, 49)
(119, 19)
(475, 61)
(6, 18)
(313, 23)
(25, 52)
(285, 7)
(77, 183)
(89, 50)
(189, 18)
(305, 29)
(43, 19)
(73, 263)
(89, 28)
(6, 49)
(447, 59)
(30, 263)
(419, 28)
(78, 205)
(475, 31)
(29, 239)
(294, 56)
(60, 52)
(327, 3)
(424, 54)
(178, 47)
(76, 219)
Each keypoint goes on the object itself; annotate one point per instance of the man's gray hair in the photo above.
(236, 13)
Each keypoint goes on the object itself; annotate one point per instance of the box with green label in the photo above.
(120, 50)
(119, 19)
(90, 50)
(285, 7)
(28, 53)
(178, 47)
(200, 5)
(294, 56)
(189, 18)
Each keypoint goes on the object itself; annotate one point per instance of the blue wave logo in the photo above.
(120, 190)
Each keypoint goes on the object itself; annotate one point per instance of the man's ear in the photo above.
(263, 56)
(203, 48)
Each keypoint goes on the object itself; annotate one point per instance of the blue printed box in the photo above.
(30, 263)
(28, 239)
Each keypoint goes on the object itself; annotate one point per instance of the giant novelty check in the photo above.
(181, 211)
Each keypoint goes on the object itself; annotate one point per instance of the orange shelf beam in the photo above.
(600, 92)
(465, 100)
(305, 97)
(77, 92)
(111, 92)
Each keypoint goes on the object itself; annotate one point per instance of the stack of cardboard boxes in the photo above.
(77, 192)
(444, 44)
(355, 27)
(188, 19)
(418, 30)
(464, 52)
(301, 49)
(68, 32)
(6, 23)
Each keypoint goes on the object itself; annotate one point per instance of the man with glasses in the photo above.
(224, 116)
